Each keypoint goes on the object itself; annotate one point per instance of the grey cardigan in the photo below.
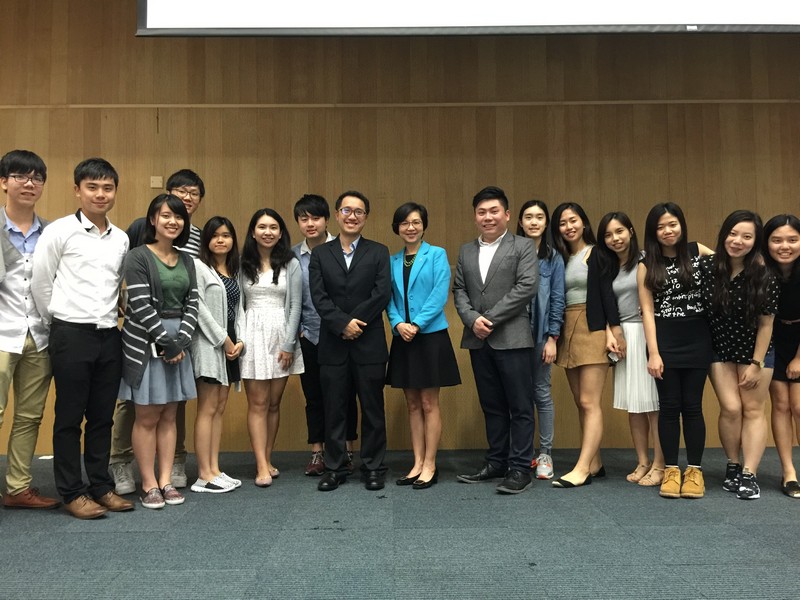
(291, 309)
(208, 356)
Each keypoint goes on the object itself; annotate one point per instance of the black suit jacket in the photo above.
(341, 294)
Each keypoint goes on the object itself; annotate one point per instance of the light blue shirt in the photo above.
(348, 256)
(309, 318)
(24, 242)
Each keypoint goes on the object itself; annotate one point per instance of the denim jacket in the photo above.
(547, 306)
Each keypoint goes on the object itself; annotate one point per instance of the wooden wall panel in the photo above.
(613, 122)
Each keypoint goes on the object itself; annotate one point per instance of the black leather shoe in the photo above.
(406, 480)
(485, 474)
(515, 482)
(373, 480)
(330, 481)
(424, 485)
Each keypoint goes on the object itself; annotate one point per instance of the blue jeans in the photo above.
(543, 400)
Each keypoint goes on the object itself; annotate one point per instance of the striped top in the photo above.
(143, 314)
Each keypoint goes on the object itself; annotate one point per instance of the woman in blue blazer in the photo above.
(421, 359)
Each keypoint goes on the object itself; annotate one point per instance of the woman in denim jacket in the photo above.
(547, 317)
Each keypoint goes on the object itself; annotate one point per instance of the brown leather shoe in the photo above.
(29, 498)
(84, 507)
(114, 503)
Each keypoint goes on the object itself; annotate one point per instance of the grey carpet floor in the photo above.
(609, 540)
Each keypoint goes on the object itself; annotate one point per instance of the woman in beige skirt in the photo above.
(591, 315)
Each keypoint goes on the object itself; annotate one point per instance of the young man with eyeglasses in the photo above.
(312, 214)
(350, 285)
(76, 281)
(24, 361)
(186, 185)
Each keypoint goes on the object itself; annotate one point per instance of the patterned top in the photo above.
(233, 295)
(675, 302)
(734, 339)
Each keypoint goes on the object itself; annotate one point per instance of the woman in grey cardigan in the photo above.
(272, 286)
(159, 323)
(215, 348)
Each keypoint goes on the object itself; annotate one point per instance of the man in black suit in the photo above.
(350, 285)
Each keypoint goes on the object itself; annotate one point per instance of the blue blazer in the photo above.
(428, 288)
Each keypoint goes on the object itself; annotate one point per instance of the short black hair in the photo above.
(406, 209)
(22, 162)
(176, 205)
(313, 205)
(355, 194)
(95, 168)
(490, 192)
(186, 177)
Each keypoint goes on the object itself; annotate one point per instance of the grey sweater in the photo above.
(208, 357)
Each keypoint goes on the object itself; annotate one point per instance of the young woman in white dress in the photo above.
(272, 286)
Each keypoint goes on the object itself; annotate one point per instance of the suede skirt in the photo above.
(577, 346)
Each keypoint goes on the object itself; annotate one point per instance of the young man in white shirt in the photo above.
(24, 361)
(77, 272)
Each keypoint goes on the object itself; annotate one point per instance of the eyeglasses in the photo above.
(184, 193)
(36, 179)
(346, 211)
(416, 224)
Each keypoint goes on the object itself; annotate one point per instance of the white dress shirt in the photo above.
(486, 252)
(77, 271)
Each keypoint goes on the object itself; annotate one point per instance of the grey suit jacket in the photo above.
(504, 298)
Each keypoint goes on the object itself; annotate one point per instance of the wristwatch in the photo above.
(759, 363)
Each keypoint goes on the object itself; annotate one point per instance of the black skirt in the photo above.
(427, 361)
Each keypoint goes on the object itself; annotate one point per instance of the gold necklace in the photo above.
(408, 263)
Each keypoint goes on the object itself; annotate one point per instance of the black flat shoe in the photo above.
(406, 480)
(563, 483)
(373, 480)
(424, 485)
(601, 472)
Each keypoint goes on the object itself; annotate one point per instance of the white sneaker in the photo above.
(123, 478)
(217, 486)
(544, 467)
(237, 483)
(178, 475)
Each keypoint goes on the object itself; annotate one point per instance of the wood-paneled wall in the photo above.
(611, 121)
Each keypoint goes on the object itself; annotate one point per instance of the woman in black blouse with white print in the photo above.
(741, 297)
(678, 343)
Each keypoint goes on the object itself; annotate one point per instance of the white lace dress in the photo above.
(265, 322)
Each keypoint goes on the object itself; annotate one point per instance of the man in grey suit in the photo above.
(496, 277)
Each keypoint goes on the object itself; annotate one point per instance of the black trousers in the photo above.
(87, 368)
(503, 379)
(339, 384)
(312, 390)
(680, 396)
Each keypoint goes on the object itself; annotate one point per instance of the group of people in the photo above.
(201, 317)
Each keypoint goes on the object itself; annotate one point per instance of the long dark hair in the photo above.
(769, 228)
(279, 257)
(558, 241)
(545, 246)
(654, 260)
(607, 258)
(210, 228)
(755, 273)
